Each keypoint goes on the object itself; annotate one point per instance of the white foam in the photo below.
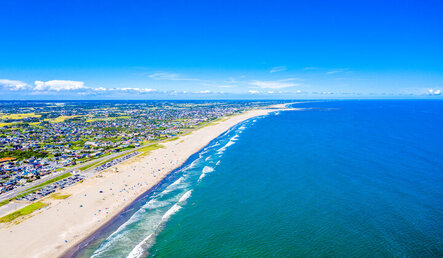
(194, 163)
(154, 204)
(230, 142)
(156, 219)
(201, 176)
(139, 250)
(178, 184)
(171, 212)
(116, 236)
(208, 169)
(185, 196)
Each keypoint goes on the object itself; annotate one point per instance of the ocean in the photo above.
(336, 179)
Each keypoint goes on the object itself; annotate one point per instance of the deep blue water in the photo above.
(340, 179)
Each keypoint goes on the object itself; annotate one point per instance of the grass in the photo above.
(89, 166)
(39, 186)
(212, 122)
(19, 116)
(127, 148)
(150, 147)
(147, 149)
(5, 202)
(99, 163)
(171, 139)
(106, 118)
(59, 196)
(22, 212)
(61, 119)
(146, 142)
(6, 124)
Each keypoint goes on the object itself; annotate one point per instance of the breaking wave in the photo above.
(206, 169)
(149, 220)
(141, 248)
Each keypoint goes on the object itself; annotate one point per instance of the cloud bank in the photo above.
(279, 84)
(13, 85)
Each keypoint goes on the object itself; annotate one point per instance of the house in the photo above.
(7, 159)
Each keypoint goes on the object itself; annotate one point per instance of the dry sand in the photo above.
(43, 234)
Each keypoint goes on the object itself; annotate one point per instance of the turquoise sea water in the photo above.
(339, 179)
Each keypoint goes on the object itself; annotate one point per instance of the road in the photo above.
(7, 208)
(18, 190)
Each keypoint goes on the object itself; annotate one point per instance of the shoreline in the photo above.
(75, 250)
(63, 228)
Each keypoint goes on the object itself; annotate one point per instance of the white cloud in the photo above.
(144, 90)
(59, 85)
(13, 85)
(204, 92)
(133, 90)
(434, 92)
(42, 87)
(170, 77)
(341, 70)
(278, 69)
(100, 89)
(254, 92)
(285, 83)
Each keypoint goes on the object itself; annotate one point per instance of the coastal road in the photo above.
(12, 206)
(18, 190)
(7, 208)
(87, 172)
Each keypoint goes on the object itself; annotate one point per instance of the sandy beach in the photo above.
(61, 225)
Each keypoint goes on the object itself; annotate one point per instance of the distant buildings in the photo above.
(37, 139)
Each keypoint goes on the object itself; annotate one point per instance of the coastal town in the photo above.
(60, 140)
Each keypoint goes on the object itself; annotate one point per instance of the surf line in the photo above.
(120, 218)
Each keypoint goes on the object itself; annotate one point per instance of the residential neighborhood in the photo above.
(40, 138)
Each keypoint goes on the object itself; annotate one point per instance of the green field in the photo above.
(59, 196)
(22, 212)
(147, 149)
(18, 116)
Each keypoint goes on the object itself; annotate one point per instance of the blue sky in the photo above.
(220, 49)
